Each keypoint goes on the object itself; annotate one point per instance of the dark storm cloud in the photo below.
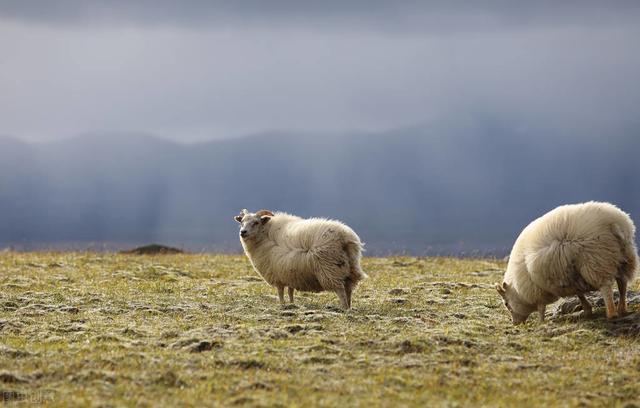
(194, 70)
(353, 15)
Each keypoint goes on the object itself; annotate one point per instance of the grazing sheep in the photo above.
(310, 255)
(571, 250)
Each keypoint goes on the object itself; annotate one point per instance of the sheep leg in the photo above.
(607, 294)
(586, 306)
(348, 288)
(342, 294)
(290, 294)
(622, 303)
(541, 310)
(281, 294)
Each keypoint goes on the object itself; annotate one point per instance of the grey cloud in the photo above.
(408, 15)
(565, 66)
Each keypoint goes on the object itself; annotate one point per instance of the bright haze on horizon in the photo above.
(203, 70)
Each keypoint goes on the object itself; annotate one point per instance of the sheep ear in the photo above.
(264, 212)
(240, 216)
(265, 219)
(502, 289)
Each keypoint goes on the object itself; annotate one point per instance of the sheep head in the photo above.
(519, 309)
(251, 225)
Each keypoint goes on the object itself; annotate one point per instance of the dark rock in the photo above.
(571, 304)
(153, 249)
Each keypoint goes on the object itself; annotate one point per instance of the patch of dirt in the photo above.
(398, 291)
(303, 328)
(257, 385)
(10, 395)
(90, 375)
(11, 378)
(204, 345)
(13, 353)
(276, 334)
(319, 360)
(400, 264)
(169, 379)
(247, 364)
(456, 285)
(445, 340)
(408, 346)
(488, 272)
(242, 401)
(196, 345)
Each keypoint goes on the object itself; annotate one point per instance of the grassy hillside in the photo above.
(181, 330)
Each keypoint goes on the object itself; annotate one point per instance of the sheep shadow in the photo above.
(569, 310)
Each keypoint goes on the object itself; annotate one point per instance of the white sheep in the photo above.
(310, 255)
(571, 250)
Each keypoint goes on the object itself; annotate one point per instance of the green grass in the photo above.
(183, 330)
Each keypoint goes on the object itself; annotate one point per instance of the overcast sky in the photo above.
(199, 70)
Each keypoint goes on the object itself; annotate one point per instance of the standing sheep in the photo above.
(571, 250)
(310, 255)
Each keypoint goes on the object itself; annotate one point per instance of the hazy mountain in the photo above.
(457, 185)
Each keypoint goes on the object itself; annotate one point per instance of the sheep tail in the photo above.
(629, 266)
(354, 250)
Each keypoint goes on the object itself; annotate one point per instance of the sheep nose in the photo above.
(243, 233)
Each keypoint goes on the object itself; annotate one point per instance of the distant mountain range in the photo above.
(449, 187)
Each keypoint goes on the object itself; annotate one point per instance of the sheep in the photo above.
(571, 250)
(310, 255)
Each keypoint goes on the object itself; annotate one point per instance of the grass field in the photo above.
(183, 330)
